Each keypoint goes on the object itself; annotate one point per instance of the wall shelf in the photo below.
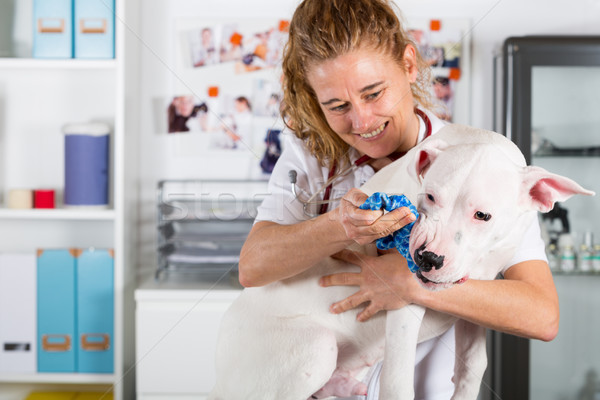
(59, 378)
(58, 214)
(37, 98)
(33, 63)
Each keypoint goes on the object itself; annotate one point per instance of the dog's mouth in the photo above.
(428, 281)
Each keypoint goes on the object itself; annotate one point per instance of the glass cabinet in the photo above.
(547, 102)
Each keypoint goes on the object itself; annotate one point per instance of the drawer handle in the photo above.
(92, 25)
(56, 342)
(95, 341)
(51, 25)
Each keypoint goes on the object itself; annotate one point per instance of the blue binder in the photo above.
(56, 310)
(95, 311)
(52, 28)
(94, 29)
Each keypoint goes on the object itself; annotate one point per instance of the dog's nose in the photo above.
(426, 260)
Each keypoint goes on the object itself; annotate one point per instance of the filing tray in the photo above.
(202, 224)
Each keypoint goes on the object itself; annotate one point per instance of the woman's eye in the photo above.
(373, 95)
(341, 107)
(430, 198)
(480, 215)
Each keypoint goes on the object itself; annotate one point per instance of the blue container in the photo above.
(52, 29)
(56, 311)
(95, 311)
(86, 164)
(94, 29)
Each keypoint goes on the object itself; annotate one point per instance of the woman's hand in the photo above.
(365, 226)
(385, 283)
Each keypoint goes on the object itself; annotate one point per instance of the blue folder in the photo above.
(95, 311)
(94, 29)
(56, 310)
(52, 29)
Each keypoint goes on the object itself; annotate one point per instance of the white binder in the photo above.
(18, 294)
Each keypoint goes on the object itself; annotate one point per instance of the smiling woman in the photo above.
(356, 89)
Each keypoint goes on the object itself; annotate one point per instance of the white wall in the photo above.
(492, 22)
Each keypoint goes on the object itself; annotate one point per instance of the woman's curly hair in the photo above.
(322, 30)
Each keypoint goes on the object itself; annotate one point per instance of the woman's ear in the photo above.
(410, 61)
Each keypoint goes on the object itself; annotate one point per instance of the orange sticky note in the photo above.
(454, 74)
(435, 24)
(235, 39)
(213, 91)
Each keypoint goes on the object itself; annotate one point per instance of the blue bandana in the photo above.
(398, 239)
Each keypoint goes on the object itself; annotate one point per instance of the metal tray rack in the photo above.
(202, 224)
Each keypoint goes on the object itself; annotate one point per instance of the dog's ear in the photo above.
(541, 189)
(425, 156)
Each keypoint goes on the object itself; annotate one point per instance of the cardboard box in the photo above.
(18, 294)
(56, 282)
(52, 29)
(94, 29)
(95, 311)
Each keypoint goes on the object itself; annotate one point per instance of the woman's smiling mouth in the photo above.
(374, 133)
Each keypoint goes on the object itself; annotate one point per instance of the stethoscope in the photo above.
(333, 176)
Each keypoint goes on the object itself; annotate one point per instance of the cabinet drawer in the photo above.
(175, 346)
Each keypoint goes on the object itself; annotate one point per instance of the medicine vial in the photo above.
(553, 259)
(584, 258)
(596, 259)
(567, 253)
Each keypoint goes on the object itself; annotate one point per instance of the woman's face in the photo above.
(366, 98)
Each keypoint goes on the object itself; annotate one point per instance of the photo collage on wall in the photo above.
(227, 89)
(440, 44)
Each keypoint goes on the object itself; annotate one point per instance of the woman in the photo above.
(355, 88)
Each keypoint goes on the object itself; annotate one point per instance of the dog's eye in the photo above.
(480, 215)
(430, 198)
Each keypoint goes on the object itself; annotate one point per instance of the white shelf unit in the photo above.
(37, 97)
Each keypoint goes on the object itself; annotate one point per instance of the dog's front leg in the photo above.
(471, 360)
(401, 337)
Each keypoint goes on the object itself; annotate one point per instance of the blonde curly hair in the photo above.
(322, 30)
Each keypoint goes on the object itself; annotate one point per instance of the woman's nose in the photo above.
(362, 119)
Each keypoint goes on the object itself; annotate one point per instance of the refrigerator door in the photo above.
(550, 107)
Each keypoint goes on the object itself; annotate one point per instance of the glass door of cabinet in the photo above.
(551, 110)
(565, 139)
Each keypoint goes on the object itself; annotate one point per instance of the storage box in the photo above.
(94, 29)
(95, 311)
(18, 313)
(52, 29)
(56, 310)
(86, 164)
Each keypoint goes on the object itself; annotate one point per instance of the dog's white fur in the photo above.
(280, 342)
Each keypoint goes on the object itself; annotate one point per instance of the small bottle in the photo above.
(553, 259)
(567, 253)
(596, 259)
(584, 259)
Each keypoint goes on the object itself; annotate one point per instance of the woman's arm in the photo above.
(525, 303)
(273, 252)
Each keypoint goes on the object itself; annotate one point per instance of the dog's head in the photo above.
(475, 201)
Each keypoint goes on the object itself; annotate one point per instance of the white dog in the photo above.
(475, 196)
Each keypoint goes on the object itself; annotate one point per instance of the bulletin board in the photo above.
(226, 84)
(226, 91)
(444, 44)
